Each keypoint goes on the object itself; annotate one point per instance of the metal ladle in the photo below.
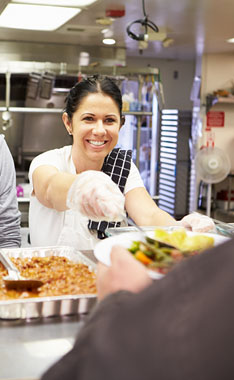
(148, 239)
(14, 280)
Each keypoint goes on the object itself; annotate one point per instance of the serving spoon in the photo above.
(14, 280)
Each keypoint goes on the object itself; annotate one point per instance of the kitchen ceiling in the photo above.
(191, 26)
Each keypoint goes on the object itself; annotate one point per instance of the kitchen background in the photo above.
(169, 84)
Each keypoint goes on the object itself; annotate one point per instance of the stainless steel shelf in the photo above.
(211, 100)
(138, 113)
(31, 110)
(60, 110)
(63, 68)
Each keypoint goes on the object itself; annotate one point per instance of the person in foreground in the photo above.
(177, 328)
(80, 190)
(9, 212)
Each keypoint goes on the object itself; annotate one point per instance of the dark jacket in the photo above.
(180, 328)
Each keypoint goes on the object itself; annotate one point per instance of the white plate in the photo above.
(103, 248)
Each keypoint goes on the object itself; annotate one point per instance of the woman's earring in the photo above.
(70, 133)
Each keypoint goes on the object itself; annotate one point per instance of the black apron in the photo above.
(117, 165)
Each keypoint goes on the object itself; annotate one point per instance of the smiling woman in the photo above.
(95, 127)
(80, 190)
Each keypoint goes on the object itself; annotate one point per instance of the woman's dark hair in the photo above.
(93, 84)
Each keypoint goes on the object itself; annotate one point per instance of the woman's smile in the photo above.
(97, 143)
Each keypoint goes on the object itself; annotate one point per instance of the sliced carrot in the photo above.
(139, 255)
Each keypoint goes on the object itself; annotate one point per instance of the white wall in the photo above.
(217, 72)
(176, 90)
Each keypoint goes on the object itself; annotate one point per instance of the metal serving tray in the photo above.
(56, 306)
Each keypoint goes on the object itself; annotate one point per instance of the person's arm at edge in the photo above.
(10, 215)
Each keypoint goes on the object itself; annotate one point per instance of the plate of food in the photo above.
(161, 250)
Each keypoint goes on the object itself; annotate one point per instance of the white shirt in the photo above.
(49, 227)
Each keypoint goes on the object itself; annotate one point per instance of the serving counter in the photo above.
(28, 348)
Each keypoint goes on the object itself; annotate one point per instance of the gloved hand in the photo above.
(96, 196)
(197, 223)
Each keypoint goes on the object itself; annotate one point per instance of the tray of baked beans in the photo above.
(68, 277)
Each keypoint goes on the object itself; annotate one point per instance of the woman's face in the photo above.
(95, 127)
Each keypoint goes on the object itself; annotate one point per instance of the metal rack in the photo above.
(66, 70)
(211, 100)
(62, 68)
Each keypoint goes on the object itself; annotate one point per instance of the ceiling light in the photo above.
(108, 41)
(61, 3)
(231, 40)
(35, 17)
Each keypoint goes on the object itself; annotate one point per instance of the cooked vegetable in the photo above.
(161, 257)
(183, 242)
(139, 255)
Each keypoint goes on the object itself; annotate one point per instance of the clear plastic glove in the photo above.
(197, 223)
(96, 196)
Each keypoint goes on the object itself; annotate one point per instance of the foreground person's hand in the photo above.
(197, 223)
(96, 196)
(125, 273)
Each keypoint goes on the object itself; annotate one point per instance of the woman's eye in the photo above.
(88, 118)
(110, 120)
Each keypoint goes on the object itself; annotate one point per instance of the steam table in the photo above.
(27, 349)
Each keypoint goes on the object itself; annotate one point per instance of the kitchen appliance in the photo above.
(212, 166)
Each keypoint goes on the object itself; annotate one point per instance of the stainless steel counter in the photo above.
(27, 349)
